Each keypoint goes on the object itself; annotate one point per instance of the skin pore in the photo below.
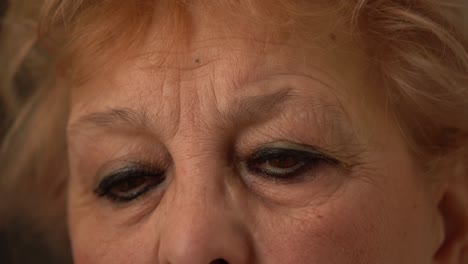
(231, 146)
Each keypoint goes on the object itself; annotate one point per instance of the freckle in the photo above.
(197, 61)
(333, 36)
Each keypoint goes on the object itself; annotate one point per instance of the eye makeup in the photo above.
(285, 162)
(129, 183)
(281, 162)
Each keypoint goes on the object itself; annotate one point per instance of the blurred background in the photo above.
(22, 240)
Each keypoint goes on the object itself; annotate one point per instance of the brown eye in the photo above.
(278, 165)
(128, 184)
(132, 185)
(284, 163)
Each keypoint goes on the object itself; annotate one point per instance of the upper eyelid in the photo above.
(120, 174)
(291, 146)
(154, 160)
(307, 154)
(271, 152)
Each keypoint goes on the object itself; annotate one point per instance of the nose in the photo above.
(201, 224)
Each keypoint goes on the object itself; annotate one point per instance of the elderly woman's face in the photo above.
(229, 146)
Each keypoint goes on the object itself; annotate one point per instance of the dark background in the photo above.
(3, 8)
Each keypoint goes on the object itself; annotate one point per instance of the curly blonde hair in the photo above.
(418, 50)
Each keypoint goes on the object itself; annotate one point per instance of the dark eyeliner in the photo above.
(105, 186)
(308, 158)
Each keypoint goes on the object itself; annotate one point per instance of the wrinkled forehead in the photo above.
(198, 66)
(187, 36)
(201, 44)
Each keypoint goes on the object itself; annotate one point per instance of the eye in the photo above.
(129, 183)
(285, 164)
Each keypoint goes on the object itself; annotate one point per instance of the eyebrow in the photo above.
(243, 110)
(113, 118)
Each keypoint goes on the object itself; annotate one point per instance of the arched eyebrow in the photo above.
(243, 110)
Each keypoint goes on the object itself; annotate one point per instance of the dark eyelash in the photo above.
(309, 159)
(105, 186)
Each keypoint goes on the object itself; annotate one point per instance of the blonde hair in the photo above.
(418, 50)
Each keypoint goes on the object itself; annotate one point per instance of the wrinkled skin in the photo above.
(197, 111)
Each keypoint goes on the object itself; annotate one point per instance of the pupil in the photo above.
(130, 184)
(283, 162)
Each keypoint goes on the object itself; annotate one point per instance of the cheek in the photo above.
(328, 234)
(359, 224)
(97, 242)
(100, 235)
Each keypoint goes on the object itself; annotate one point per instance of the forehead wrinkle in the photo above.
(156, 68)
(160, 55)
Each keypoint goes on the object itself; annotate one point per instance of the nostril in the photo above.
(219, 261)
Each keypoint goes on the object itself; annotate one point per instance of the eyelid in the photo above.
(122, 174)
(290, 146)
(308, 156)
(129, 162)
